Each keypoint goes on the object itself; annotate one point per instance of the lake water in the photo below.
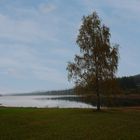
(41, 101)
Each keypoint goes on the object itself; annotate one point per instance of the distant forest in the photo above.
(130, 84)
(127, 84)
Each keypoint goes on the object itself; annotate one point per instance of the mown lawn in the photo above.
(69, 124)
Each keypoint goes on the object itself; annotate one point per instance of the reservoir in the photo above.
(42, 101)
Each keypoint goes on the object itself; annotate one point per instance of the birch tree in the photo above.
(98, 58)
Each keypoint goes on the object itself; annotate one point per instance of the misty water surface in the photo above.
(41, 101)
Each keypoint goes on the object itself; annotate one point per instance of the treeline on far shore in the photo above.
(130, 84)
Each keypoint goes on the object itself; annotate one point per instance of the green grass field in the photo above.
(69, 124)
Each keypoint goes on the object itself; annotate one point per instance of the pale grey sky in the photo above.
(37, 39)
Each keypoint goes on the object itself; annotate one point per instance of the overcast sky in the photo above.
(37, 39)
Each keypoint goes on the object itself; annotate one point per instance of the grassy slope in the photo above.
(69, 124)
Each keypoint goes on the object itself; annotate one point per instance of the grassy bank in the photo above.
(69, 124)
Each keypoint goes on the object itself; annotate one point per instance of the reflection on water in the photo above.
(41, 101)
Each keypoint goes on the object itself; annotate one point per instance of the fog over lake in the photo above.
(41, 101)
